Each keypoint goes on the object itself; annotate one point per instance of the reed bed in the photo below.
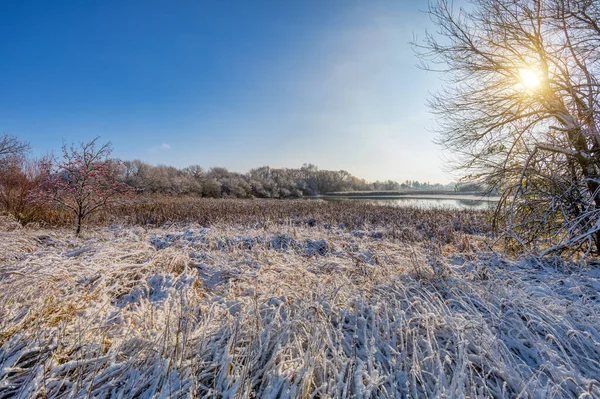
(443, 225)
(289, 309)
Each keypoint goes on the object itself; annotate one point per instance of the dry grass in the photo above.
(289, 308)
(414, 224)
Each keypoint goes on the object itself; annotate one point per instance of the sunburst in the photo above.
(529, 78)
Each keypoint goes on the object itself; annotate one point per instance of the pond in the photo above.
(428, 201)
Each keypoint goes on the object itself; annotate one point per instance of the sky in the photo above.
(237, 84)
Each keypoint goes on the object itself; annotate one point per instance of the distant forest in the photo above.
(263, 182)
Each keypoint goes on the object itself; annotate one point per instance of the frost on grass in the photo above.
(287, 312)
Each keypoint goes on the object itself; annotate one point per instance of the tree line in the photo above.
(215, 182)
(262, 182)
(85, 178)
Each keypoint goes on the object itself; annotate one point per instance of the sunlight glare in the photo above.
(529, 79)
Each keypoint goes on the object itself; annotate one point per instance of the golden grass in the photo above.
(408, 223)
(228, 311)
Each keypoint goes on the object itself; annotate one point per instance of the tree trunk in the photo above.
(586, 162)
(78, 228)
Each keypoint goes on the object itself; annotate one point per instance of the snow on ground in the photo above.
(287, 312)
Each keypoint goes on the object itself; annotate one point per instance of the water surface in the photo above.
(427, 201)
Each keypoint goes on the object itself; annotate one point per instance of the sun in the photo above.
(529, 78)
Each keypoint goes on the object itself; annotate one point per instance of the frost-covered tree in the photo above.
(521, 110)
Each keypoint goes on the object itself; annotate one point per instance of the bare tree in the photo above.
(85, 181)
(20, 181)
(521, 110)
(11, 148)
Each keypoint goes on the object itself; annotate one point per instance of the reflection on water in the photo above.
(427, 203)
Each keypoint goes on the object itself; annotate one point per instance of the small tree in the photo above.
(20, 181)
(19, 177)
(85, 181)
(11, 150)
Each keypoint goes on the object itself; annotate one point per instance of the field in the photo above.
(290, 299)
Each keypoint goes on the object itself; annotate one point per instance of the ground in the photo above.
(288, 311)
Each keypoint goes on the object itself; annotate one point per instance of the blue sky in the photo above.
(237, 84)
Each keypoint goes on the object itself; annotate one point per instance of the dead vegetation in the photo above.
(413, 223)
(290, 308)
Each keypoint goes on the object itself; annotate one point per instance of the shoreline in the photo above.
(458, 197)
